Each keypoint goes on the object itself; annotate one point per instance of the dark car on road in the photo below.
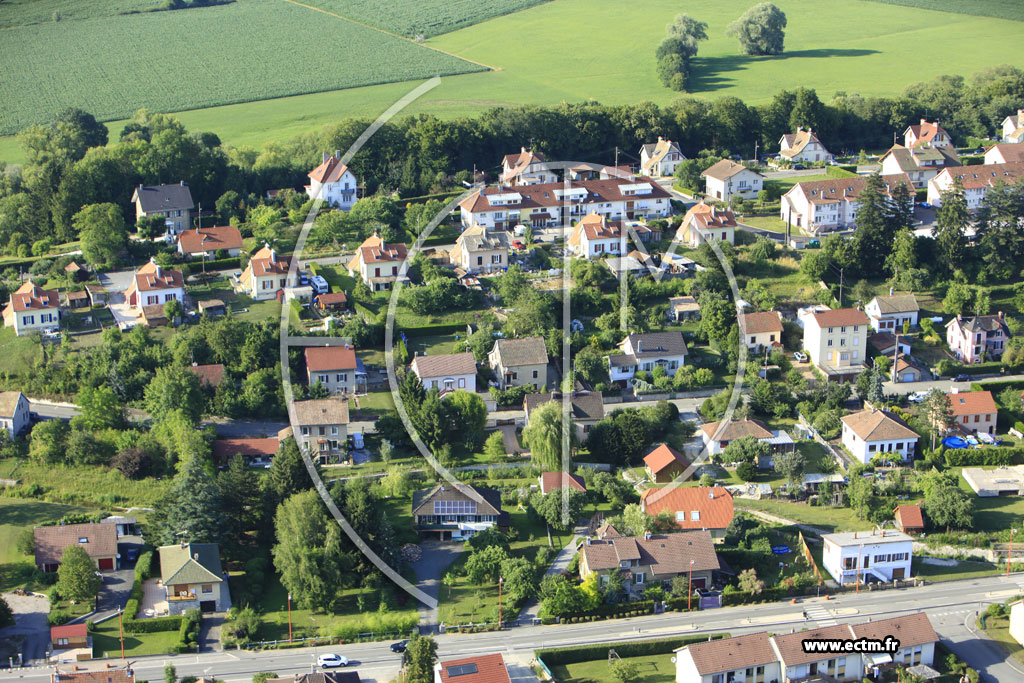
(399, 646)
(962, 378)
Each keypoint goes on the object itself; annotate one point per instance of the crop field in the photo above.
(187, 59)
(1002, 9)
(428, 18)
(25, 12)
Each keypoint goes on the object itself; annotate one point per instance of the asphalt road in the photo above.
(942, 384)
(951, 606)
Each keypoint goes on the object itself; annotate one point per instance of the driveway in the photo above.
(29, 624)
(437, 557)
(508, 437)
(117, 281)
(117, 586)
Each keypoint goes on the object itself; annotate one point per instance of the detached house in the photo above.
(707, 221)
(664, 463)
(552, 481)
(820, 206)
(192, 577)
(660, 158)
(1013, 127)
(878, 432)
(14, 412)
(99, 541)
(761, 330)
(743, 659)
(803, 146)
(715, 442)
(920, 163)
(837, 340)
(586, 409)
(727, 179)
(255, 451)
(519, 362)
(334, 182)
(526, 168)
(476, 669)
(683, 308)
(908, 519)
(206, 242)
(652, 559)
(171, 202)
(266, 274)
(884, 554)
(322, 428)
(595, 236)
(153, 285)
(377, 263)
(692, 507)
(646, 352)
(336, 368)
(480, 250)
(32, 309)
(973, 411)
(447, 372)
(975, 180)
(926, 133)
(890, 313)
(973, 339)
(1004, 153)
(456, 512)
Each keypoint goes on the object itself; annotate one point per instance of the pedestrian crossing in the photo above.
(820, 615)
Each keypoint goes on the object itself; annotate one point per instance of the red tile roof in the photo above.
(972, 403)
(225, 449)
(909, 517)
(267, 262)
(973, 177)
(50, 541)
(329, 171)
(910, 630)
(713, 505)
(760, 323)
(791, 645)
(840, 317)
(729, 654)
(708, 216)
(68, 631)
(662, 456)
(549, 481)
(210, 239)
(926, 131)
(28, 297)
(209, 374)
(151, 276)
(321, 358)
(478, 669)
(736, 429)
(104, 675)
(550, 194)
(664, 553)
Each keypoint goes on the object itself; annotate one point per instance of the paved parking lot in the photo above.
(29, 623)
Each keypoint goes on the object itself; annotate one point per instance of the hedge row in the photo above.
(143, 570)
(423, 199)
(980, 457)
(232, 263)
(625, 609)
(188, 632)
(642, 648)
(998, 385)
(730, 598)
(431, 330)
(680, 604)
(972, 369)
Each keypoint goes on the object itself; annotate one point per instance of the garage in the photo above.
(206, 606)
(106, 564)
(699, 583)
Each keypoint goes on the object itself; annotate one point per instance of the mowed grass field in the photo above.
(427, 17)
(602, 50)
(194, 58)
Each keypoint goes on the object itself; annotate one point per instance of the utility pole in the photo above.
(616, 159)
(755, 150)
(840, 288)
(501, 581)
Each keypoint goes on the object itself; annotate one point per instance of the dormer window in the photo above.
(694, 515)
(83, 540)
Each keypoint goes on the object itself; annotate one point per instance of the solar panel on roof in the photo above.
(462, 670)
(454, 507)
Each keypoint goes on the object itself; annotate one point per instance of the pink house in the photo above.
(977, 338)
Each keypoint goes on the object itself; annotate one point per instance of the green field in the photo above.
(285, 49)
(17, 514)
(25, 12)
(1003, 9)
(427, 18)
(652, 669)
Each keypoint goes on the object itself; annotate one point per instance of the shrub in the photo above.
(599, 651)
(56, 617)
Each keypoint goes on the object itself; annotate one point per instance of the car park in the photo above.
(330, 661)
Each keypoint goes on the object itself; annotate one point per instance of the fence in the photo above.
(841, 459)
(808, 556)
(325, 640)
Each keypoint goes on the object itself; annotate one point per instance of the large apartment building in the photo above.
(821, 206)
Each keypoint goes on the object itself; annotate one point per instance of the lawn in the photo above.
(830, 519)
(270, 59)
(998, 629)
(17, 353)
(881, 49)
(17, 514)
(374, 403)
(91, 485)
(106, 641)
(961, 570)
(652, 669)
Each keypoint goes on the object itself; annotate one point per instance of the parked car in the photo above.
(400, 646)
(962, 378)
(917, 396)
(132, 554)
(798, 167)
(331, 661)
(814, 244)
(800, 356)
(924, 205)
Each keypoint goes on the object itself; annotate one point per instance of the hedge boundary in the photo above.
(642, 648)
(131, 624)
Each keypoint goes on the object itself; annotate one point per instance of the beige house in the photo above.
(192, 578)
(519, 362)
(973, 411)
(652, 559)
(335, 367)
(975, 180)
(153, 285)
(526, 168)
(323, 428)
(266, 274)
(377, 263)
(594, 236)
(921, 163)
(480, 250)
(877, 432)
(707, 221)
(820, 206)
(172, 202)
(660, 158)
(682, 308)
(446, 372)
(803, 146)
(837, 340)
(206, 242)
(32, 309)
(761, 330)
(727, 179)
(926, 133)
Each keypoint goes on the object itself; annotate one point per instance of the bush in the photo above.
(599, 651)
(152, 625)
(56, 617)
(980, 457)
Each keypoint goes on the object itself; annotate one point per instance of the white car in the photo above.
(800, 357)
(917, 396)
(331, 661)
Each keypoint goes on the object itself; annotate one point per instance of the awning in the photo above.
(881, 658)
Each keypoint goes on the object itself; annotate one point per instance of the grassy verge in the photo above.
(652, 669)
(106, 641)
(961, 570)
(998, 629)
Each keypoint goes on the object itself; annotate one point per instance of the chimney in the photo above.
(647, 535)
(273, 256)
(183, 543)
(959, 317)
(522, 150)
(660, 139)
(890, 291)
(326, 156)
(195, 556)
(955, 390)
(924, 122)
(1000, 315)
(182, 183)
(337, 154)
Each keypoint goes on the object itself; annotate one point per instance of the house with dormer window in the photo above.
(974, 339)
(32, 309)
(651, 559)
(377, 263)
(334, 182)
(821, 206)
(452, 512)
(646, 352)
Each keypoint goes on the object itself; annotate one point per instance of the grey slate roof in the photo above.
(164, 197)
(658, 344)
(585, 405)
(190, 563)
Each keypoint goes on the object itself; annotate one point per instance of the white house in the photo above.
(334, 182)
(1013, 127)
(874, 432)
(914, 631)
(153, 285)
(594, 236)
(14, 412)
(921, 163)
(646, 352)
(448, 372)
(889, 313)
(1004, 153)
(377, 263)
(743, 659)
(1017, 621)
(526, 168)
(926, 133)
(726, 179)
(32, 309)
(799, 665)
(716, 436)
(707, 221)
(975, 180)
(884, 554)
(479, 250)
(554, 204)
(803, 146)
(660, 158)
(825, 205)
(837, 340)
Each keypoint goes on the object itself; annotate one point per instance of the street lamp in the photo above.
(689, 588)
(860, 556)
(501, 582)
(289, 617)
(120, 628)
(1009, 555)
